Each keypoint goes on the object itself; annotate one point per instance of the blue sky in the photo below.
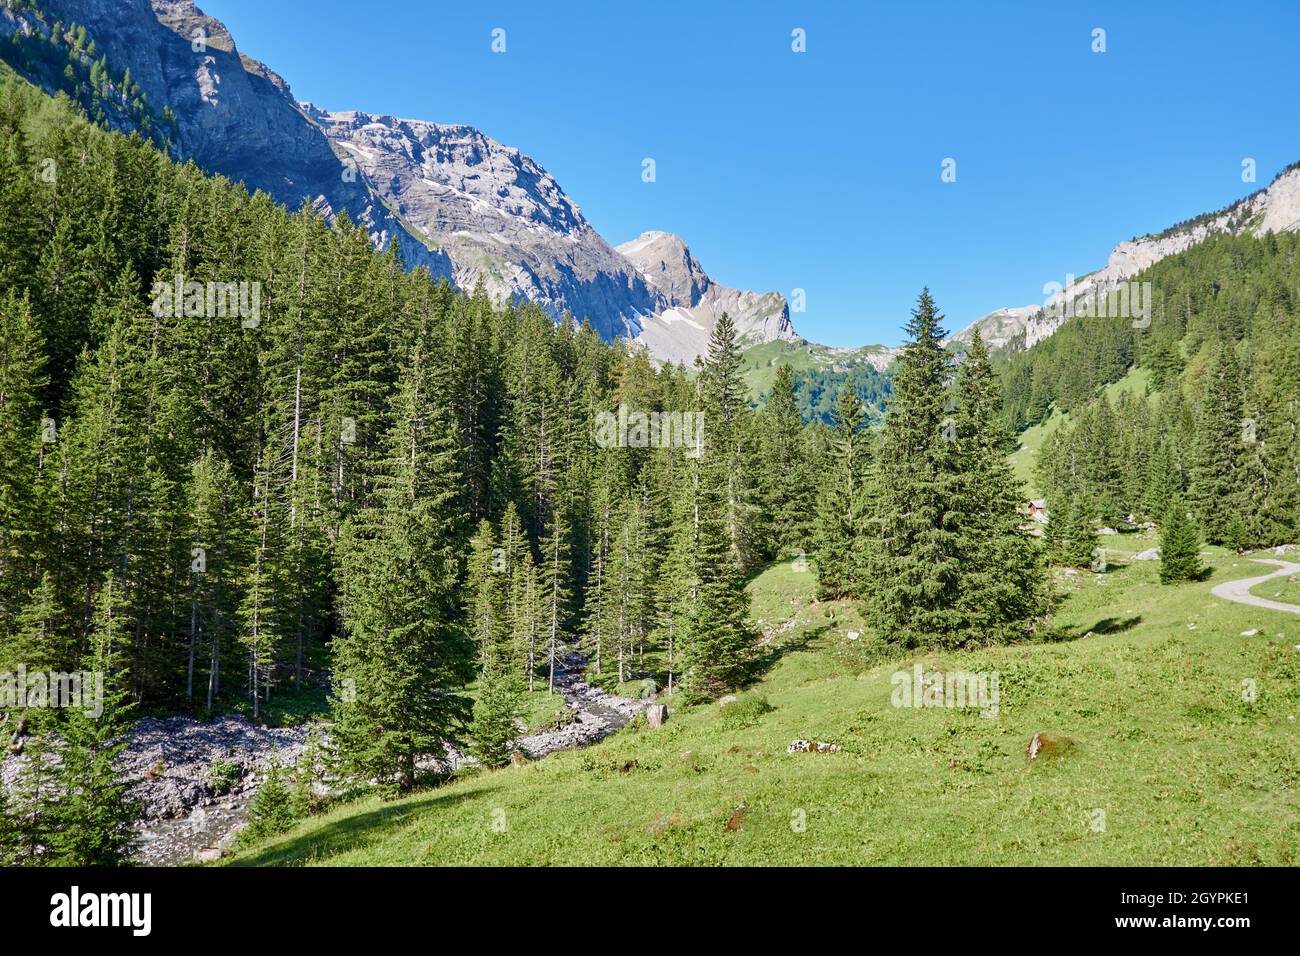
(821, 170)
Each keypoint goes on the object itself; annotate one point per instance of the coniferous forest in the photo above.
(260, 474)
(1215, 424)
(370, 482)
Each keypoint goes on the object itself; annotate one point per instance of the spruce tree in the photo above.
(1004, 580)
(1069, 536)
(21, 382)
(95, 814)
(676, 590)
(33, 803)
(1180, 545)
(485, 586)
(841, 513)
(914, 552)
(259, 613)
(272, 809)
(1162, 481)
(716, 635)
(555, 591)
(516, 562)
(403, 655)
(212, 560)
(730, 445)
(786, 481)
(495, 730)
(35, 641)
(1217, 450)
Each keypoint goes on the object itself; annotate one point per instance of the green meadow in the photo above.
(1184, 749)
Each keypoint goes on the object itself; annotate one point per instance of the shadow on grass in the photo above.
(1113, 625)
(773, 651)
(354, 832)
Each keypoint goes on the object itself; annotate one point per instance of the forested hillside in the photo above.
(241, 446)
(1218, 422)
(276, 441)
(67, 59)
(819, 376)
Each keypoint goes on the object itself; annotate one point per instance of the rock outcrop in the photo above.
(235, 115)
(501, 218)
(1274, 209)
(693, 302)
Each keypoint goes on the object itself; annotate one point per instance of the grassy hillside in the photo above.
(1032, 438)
(819, 373)
(759, 364)
(1149, 684)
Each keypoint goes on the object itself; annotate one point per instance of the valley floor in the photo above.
(1187, 752)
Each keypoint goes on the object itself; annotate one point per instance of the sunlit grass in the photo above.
(1185, 768)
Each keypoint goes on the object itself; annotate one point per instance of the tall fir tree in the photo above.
(555, 592)
(842, 506)
(914, 552)
(730, 440)
(1215, 487)
(1069, 537)
(716, 637)
(259, 611)
(1004, 592)
(22, 381)
(785, 475)
(95, 815)
(403, 654)
(497, 706)
(494, 729)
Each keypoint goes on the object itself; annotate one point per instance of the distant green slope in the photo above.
(1032, 438)
(820, 372)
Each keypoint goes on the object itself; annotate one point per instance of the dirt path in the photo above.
(1239, 591)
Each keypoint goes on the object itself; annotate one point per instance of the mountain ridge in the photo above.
(475, 211)
(1274, 208)
(453, 199)
(499, 216)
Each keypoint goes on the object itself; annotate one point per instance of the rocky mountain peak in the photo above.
(474, 174)
(695, 301)
(666, 262)
(456, 201)
(499, 216)
(184, 18)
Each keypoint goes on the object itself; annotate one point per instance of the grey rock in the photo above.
(236, 116)
(501, 218)
(812, 746)
(681, 329)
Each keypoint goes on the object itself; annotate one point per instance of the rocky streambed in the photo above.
(195, 779)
